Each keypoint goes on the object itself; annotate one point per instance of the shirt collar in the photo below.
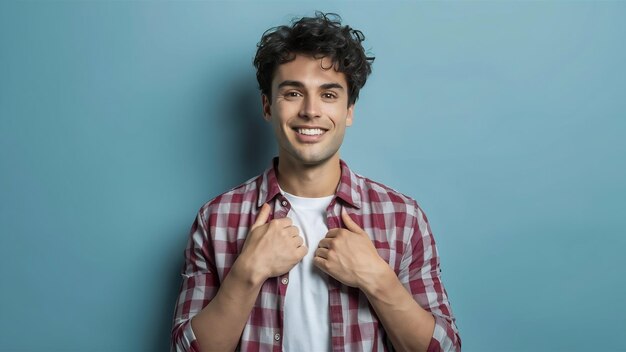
(348, 189)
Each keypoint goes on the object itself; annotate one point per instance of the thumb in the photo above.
(262, 216)
(350, 224)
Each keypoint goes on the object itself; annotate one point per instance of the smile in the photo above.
(310, 131)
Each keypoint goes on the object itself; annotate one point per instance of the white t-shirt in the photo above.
(306, 325)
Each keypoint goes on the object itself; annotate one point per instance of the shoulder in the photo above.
(383, 198)
(237, 200)
(379, 192)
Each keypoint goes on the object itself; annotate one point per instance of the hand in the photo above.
(349, 255)
(272, 249)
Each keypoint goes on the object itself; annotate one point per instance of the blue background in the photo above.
(504, 120)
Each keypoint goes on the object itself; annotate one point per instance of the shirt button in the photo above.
(285, 281)
(276, 337)
(284, 203)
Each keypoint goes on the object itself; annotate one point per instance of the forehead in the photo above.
(310, 71)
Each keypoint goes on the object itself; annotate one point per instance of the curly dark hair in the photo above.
(319, 36)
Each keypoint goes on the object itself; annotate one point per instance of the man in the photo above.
(310, 256)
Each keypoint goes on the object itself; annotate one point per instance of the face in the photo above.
(308, 110)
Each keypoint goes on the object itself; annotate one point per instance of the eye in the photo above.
(292, 94)
(329, 95)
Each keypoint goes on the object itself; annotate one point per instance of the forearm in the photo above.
(219, 325)
(409, 326)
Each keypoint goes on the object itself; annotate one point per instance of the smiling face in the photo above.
(308, 110)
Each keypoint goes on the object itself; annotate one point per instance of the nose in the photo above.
(310, 107)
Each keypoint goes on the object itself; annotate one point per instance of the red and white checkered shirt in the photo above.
(394, 222)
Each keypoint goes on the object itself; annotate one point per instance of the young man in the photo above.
(310, 256)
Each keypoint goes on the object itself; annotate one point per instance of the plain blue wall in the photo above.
(504, 120)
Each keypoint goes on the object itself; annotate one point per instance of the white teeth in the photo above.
(310, 131)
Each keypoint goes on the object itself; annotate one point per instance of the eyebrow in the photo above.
(299, 84)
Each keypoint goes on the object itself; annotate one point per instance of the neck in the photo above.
(311, 181)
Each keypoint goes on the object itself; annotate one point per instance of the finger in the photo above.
(324, 243)
(302, 251)
(322, 253)
(350, 224)
(298, 240)
(284, 222)
(293, 231)
(321, 263)
(262, 216)
(332, 233)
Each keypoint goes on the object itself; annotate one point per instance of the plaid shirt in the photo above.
(396, 225)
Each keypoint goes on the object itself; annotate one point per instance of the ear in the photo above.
(267, 111)
(350, 115)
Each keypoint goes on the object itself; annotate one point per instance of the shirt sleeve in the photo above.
(199, 285)
(421, 275)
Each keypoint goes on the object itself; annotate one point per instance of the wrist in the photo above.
(380, 279)
(247, 271)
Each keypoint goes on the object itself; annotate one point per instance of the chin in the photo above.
(315, 160)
